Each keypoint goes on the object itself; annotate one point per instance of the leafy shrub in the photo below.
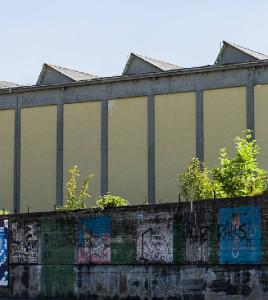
(196, 184)
(4, 212)
(241, 174)
(75, 196)
(234, 177)
(109, 200)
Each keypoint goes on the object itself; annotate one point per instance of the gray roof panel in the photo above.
(68, 74)
(73, 74)
(250, 52)
(232, 53)
(156, 65)
(6, 84)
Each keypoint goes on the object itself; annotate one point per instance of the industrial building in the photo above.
(135, 132)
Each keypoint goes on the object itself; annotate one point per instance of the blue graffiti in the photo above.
(240, 235)
(94, 240)
(3, 252)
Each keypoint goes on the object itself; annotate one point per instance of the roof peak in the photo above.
(146, 65)
(242, 54)
(253, 53)
(157, 61)
(65, 73)
(69, 69)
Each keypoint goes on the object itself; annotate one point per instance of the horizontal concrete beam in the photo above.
(134, 87)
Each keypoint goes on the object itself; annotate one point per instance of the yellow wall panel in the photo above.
(174, 141)
(38, 158)
(224, 119)
(127, 150)
(7, 119)
(261, 122)
(82, 142)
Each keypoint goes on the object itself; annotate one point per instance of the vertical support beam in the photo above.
(59, 163)
(199, 125)
(104, 147)
(17, 157)
(250, 105)
(151, 149)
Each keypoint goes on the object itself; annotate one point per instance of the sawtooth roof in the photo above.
(250, 52)
(164, 66)
(161, 65)
(253, 54)
(70, 73)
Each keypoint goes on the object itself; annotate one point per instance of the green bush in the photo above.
(109, 200)
(4, 212)
(196, 184)
(241, 174)
(237, 176)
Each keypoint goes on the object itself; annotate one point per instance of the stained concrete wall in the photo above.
(208, 250)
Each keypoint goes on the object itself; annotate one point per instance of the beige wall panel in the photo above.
(82, 143)
(224, 119)
(128, 148)
(261, 122)
(174, 141)
(38, 158)
(7, 119)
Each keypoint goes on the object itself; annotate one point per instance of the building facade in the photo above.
(135, 132)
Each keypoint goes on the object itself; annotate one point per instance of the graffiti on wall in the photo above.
(24, 244)
(3, 252)
(240, 235)
(155, 242)
(94, 240)
(196, 232)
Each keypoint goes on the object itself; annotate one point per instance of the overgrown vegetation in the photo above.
(109, 200)
(4, 212)
(76, 197)
(236, 176)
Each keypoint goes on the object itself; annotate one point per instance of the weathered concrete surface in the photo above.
(214, 249)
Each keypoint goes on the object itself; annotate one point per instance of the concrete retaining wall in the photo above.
(211, 249)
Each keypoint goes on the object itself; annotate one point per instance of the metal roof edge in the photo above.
(101, 80)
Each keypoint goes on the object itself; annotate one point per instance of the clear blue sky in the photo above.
(97, 36)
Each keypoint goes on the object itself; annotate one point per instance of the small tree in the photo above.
(75, 197)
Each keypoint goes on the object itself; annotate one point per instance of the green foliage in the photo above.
(109, 200)
(75, 196)
(195, 183)
(4, 212)
(237, 176)
(241, 174)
